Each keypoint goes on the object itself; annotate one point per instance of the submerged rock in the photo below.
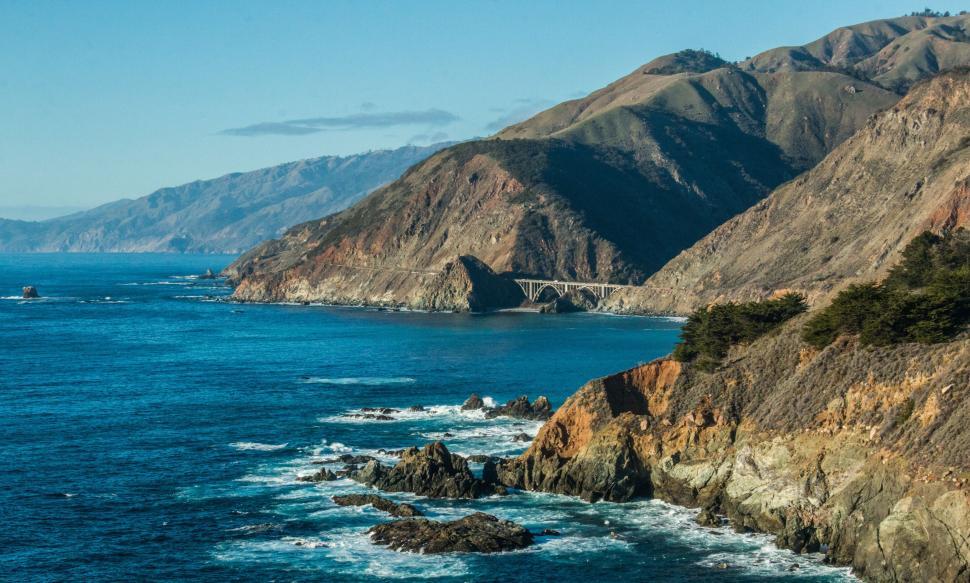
(477, 533)
(432, 471)
(379, 502)
(372, 416)
(30, 292)
(521, 408)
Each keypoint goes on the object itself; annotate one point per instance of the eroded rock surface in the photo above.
(477, 533)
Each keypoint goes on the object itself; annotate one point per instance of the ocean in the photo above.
(152, 430)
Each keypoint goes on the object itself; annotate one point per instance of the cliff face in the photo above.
(224, 215)
(906, 171)
(861, 452)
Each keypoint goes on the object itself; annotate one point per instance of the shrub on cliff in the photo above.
(710, 332)
(925, 298)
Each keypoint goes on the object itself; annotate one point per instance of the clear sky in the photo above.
(103, 100)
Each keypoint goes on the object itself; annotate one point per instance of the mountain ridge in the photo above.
(227, 214)
(608, 187)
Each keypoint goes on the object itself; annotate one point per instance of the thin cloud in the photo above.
(296, 127)
(521, 110)
(428, 139)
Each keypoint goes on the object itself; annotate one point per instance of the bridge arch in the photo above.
(548, 285)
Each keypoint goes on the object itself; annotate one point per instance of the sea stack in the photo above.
(30, 292)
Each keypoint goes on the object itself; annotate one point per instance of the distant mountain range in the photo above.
(612, 186)
(225, 215)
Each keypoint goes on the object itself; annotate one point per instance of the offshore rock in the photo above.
(521, 408)
(803, 444)
(432, 471)
(473, 403)
(477, 533)
(323, 475)
(379, 502)
(30, 292)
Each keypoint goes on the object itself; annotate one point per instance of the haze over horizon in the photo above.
(110, 100)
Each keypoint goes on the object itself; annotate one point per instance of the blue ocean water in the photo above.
(150, 432)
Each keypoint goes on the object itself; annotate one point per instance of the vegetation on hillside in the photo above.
(925, 298)
(710, 332)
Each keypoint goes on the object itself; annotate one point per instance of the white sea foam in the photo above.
(351, 553)
(374, 381)
(425, 413)
(256, 446)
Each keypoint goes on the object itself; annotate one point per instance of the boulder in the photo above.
(30, 292)
(476, 533)
(378, 502)
(432, 471)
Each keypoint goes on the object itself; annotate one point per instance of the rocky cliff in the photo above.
(906, 171)
(858, 452)
(604, 188)
(224, 215)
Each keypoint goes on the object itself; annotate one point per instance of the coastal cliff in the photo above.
(857, 451)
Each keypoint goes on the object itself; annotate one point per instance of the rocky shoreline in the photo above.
(858, 453)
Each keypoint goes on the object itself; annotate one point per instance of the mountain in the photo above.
(605, 188)
(224, 215)
(906, 171)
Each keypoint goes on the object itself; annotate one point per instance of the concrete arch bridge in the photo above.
(533, 288)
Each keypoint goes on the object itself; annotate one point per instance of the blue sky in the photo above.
(103, 100)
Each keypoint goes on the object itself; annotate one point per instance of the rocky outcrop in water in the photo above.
(521, 408)
(322, 475)
(379, 502)
(432, 471)
(477, 533)
(857, 451)
(30, 292)
(473, 403)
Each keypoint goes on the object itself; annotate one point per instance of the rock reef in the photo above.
(432, 471)
(518, 408)
(379, 502)
(477, 533)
